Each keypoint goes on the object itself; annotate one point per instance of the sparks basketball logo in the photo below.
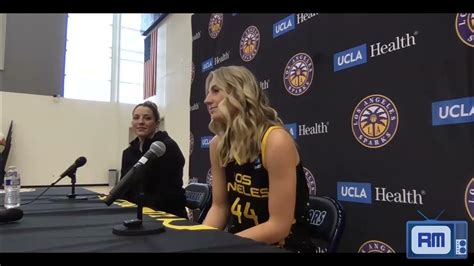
(191, 143)
(374, 121)
(249, 43)
(298, 74)
(469, 198)
(192, 72)
(375, 246)
(215, 24)
(311, 182)
(465, 28)
(209, 177)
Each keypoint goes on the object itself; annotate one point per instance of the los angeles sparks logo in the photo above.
(469, 198)
(191, 143)
(215, 24)
(249, 43)
(298, 74)
(465, 28)
(375, 121)
(310, 181)
(375, 246)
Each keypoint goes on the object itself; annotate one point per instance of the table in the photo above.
(55, 223)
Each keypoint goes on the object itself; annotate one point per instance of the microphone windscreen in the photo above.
(158, 148)
(81, 161)
(10, 215)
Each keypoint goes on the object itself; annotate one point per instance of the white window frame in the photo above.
(115, 59)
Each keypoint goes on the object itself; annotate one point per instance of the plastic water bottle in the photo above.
(12, 188)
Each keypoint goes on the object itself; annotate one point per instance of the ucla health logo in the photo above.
(205, 141)
(207, 64)
(215, 24)
(435, 239)
(457, 111)
(469, 198)
(359, 55)
(374, 121)
(292, 128)
(350, 58)
(283, 26)
(214, 61)
(298, 74)
(307, 129)
(289, 23)
(249, 43)
(311, 182)
(264, 84)
(354, 192)
(362, 193)
(375, 246)
(465, 28)
(191, 143)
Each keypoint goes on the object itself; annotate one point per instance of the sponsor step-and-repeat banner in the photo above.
(380, 105)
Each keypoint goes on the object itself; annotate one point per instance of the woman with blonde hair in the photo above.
(258, 184)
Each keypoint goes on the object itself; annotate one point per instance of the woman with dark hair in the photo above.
(162, 179)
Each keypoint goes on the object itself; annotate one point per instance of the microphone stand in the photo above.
(73, 187)
(136, 226)
(73, 195)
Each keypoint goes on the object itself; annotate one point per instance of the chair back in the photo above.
(199, 197)
(327, 220)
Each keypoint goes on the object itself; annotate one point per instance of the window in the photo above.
(104, 58)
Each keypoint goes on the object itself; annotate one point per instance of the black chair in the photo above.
(199, 197)
(327, 220)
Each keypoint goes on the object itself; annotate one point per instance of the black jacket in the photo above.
(162, 177)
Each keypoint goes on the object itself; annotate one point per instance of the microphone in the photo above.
(78, 163)
(157, 149)
(10, 215)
